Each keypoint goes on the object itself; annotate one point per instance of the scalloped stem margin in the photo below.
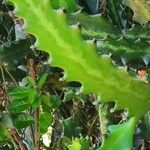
(80, 60)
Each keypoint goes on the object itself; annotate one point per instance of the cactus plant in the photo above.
(82, 63)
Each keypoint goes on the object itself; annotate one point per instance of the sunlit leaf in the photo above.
(45, 121)
(17, 106)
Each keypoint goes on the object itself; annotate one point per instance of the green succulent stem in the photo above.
(82, 63)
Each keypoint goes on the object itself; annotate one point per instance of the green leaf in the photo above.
(75, 145)
(32, 96)
(85, 144)
(73, 126)
(46, 120)
(141, 9)
(4, 135)
(42, 80)
(19, 51)
(36, 103)
(23, 94)
(23, 120)
(120, 136)
(30, 80)
(55, 101)
(68, 127)
(6, 120)
(46, 99)
(69, 95)
(17, 106)
(19, 92)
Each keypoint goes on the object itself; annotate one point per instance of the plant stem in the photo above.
(11, 76)
(5, 86)
(102, 120)
(37, 129)
(17, 139)
(32, 72)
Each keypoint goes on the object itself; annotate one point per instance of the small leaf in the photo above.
(83, 97)
(17, 106)
(69, 96)
(19, 92)
(42, 80)
(6, 120)
(32, 95)
(46, 99)
(36, 103)
(3, 134)
(30, 80)
(45, 121)
(85, 144)
(55, 101)
(120, 136)
(23, 120)
(75, 145)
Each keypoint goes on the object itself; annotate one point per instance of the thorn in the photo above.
(96, 15)
(76, 26)
(135, 70)
(107, 56)
(121, 38)
(77, 12)
(132, 27)
(61, 10)
(138, 40)
(33, 47)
